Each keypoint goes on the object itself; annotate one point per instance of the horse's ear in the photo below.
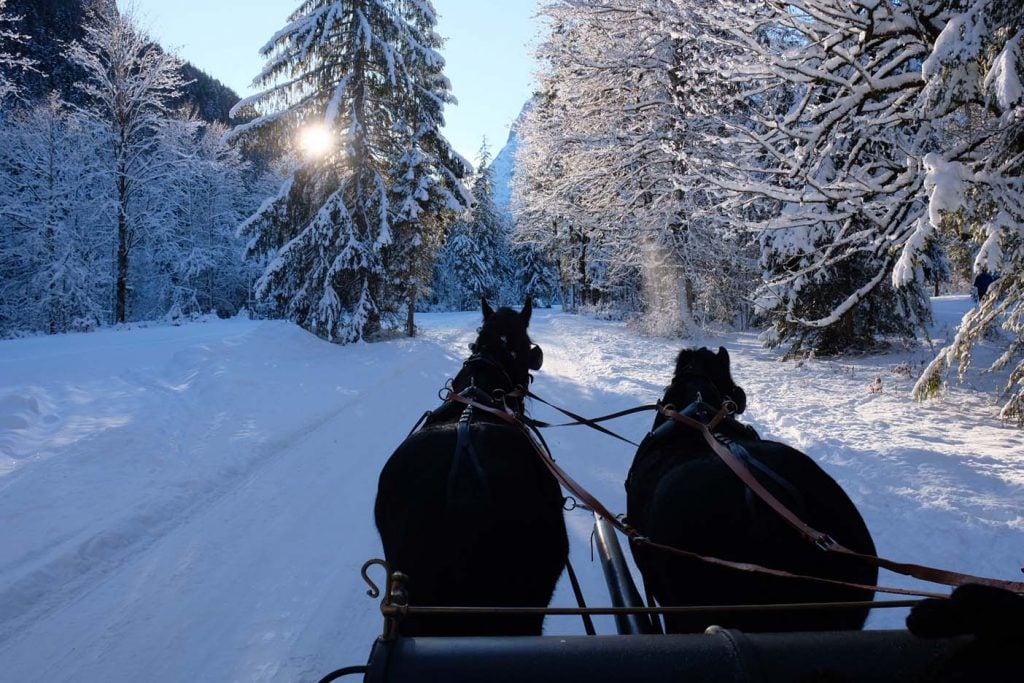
(536, 357)
(527, 310)
(486, 307)
(739, 397)
(723, 356)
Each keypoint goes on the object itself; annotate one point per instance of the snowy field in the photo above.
(194, 503)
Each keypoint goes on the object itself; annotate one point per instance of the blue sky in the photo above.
(488, 52)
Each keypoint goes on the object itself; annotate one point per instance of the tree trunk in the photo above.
(410, 319)
(121, 300)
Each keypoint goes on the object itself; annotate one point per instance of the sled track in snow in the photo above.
(84, 566)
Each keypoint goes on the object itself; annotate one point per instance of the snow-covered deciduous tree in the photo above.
(367, 74)
(191, 261)
(830, 140)
(606, 166)
(8, 62)
(974, 177)
(130, 86)
(55, 207)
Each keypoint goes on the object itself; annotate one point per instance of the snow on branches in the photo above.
(606, 172)
(345, 236)
(9, 62)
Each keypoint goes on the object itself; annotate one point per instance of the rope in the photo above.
(588, 623)
(598, 507)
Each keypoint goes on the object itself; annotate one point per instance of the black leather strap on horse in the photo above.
(820, 539)
(593, 421)
(560, 474)
(598, 507)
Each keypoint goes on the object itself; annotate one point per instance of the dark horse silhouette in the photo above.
(679, 493)
(465, 507)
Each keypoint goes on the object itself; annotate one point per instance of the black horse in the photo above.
(464, 506)
(680, 494)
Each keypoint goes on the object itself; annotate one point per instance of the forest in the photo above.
(816, 169)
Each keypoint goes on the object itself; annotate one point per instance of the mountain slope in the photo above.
(504, 165)
(52, 24)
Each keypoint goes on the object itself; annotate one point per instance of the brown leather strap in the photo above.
(823, 540)
(740, 470)
(598, 507)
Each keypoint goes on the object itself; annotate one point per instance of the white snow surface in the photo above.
(194, 503)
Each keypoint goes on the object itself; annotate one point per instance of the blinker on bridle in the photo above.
(536, 354)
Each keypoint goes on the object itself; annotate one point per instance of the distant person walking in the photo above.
(982, 282)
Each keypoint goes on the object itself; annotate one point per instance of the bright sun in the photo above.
(315, 140)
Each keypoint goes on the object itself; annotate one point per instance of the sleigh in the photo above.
(640, 653)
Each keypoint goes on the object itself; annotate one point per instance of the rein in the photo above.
(589, 422)
(812, 535)
(635, 537)
(818, 538)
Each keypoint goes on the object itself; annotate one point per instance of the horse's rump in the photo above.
(699, 504)
(475, 524)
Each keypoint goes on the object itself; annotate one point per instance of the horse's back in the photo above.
(698, 504)
(474, 522)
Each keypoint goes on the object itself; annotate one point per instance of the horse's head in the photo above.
(503, 354)
(702, 374)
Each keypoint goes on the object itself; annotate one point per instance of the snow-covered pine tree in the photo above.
(831, 90)
(535, 275)
(476, 259)
(974, 177)
(462, 274)
(427, 192)
(357, 69)
(130, 86)
(489, 228)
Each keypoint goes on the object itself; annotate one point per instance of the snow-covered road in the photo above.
(194, 503)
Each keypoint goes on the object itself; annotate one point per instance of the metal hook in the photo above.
(374, 591)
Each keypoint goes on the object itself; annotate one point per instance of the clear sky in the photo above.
(488, 53)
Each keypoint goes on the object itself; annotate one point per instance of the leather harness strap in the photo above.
(635, 537)
(821, 539)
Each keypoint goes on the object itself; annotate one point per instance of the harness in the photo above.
(812, 535)
(731, 433)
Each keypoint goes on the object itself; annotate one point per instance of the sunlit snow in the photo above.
(194, 503)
